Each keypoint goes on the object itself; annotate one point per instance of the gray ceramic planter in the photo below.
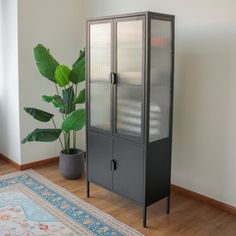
(72, 165)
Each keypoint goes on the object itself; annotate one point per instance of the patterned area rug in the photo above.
(32, 205)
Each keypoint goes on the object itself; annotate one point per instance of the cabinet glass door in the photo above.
(129, 66)
(160, 79)
(100, 44)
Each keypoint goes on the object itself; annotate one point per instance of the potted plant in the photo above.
(65, 100)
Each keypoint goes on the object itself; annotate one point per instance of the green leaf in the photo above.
(56, 100)
(74, 121)
(77, 74)
(39, 115)
(47, 98)
(62, 75)
(42, 135)
(81, 98)
(46, 63)
(68, 98)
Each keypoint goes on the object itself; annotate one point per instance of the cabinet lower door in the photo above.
(99, 159)
(128, 176)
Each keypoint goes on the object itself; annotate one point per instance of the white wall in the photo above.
(204, 144)
(204, 116)
(1, 54)
(58, 24)
(9, 91)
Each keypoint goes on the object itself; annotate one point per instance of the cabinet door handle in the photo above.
(113, 165)
(113, 78)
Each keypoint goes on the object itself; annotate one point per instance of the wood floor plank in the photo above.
(188, 217)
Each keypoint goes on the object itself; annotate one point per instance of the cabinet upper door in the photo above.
(99, 69)
(160, 79)
(129, 61)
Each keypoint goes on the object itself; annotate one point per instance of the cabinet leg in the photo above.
(88, 189)
(168, 205)
(145, 217)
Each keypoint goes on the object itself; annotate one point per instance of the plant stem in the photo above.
(67, 142)
(63, 117)
(74, 132)
(74, 139)
(54, 124)
(69, 111)
(66, 134)
(59, 95)
(57, 89)
(76, 89)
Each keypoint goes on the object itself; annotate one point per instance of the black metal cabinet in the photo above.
(130, 70)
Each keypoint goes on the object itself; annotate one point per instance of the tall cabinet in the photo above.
(130, 65)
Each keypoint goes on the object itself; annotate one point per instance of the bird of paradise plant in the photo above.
(65, 100)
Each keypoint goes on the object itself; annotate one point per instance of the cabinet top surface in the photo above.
(145, 13)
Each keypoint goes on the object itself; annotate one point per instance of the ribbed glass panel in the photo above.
(129, 110)
(100, 69)
(100, 52)
(159, 113)
(130, 73)
(129, 51)
(100, 105)
(160, 79)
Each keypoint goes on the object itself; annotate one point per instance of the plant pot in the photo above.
(72, 165)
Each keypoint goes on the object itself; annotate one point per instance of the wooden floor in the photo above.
(188, 217)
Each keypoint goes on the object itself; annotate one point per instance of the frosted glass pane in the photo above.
(129, 51)
(100, 52)
(160, 52)
(160, 79)
(100, 105)
(129, 110)
(159, 114)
